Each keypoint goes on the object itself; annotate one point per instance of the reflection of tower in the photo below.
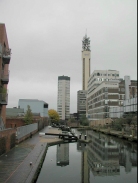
(128, 163)
(63, 154)
(85, 171)
(86, 60)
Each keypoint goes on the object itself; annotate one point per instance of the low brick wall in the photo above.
(7, 140)
(101, 122)
(73, 124)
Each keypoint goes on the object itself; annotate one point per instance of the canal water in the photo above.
(105, 159)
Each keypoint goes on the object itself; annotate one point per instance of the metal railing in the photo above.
(26, 130)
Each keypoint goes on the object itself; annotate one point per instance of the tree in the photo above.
(54, 116)
(84, 121)
(71, 120)
(118, 123)
(28, 116)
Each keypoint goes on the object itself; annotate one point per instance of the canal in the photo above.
(105, 159)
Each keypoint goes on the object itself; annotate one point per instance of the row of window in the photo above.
(105, 74)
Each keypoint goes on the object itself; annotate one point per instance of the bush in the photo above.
(84, 121)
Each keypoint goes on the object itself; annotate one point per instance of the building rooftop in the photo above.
(63, 78)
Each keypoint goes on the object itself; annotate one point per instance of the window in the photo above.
(45, 105)
(122, 89)
(106, 101)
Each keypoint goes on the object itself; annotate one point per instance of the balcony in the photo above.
(6, 56)
(3, 98)
(4, 77)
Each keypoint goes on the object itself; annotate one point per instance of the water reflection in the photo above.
(105, 154)
(63, 154)
(104, 159)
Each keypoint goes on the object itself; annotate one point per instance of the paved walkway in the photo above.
(15, 165)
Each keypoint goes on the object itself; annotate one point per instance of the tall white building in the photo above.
(86, 61)
(63, 102)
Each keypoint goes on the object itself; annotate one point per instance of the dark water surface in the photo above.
(105, 160)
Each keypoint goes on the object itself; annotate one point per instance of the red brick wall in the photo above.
(13, 123)
(7, 135)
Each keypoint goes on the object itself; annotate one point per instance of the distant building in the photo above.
(5, 55)
(37, 106)
(81, 103)
(129, 106)
(127, 98)
(74, 116)
(14, 112)
(63, 101)
(98, 76)
(105, 91)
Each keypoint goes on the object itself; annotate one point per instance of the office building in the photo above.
(63, 101)
(81, 103)
(106, 91)
(36, 106)
(5, 56)
(98, 76)
(127, 98)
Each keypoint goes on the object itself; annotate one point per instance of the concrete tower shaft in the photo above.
(86, 61)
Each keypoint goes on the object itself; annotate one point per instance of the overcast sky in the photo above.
(46, 41)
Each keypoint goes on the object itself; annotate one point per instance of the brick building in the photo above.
(5, 55)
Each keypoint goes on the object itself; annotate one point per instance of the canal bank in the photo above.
(108, 131)
(22, 163)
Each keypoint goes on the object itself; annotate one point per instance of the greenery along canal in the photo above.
(105, 159)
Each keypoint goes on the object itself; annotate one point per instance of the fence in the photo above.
(24, 131)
